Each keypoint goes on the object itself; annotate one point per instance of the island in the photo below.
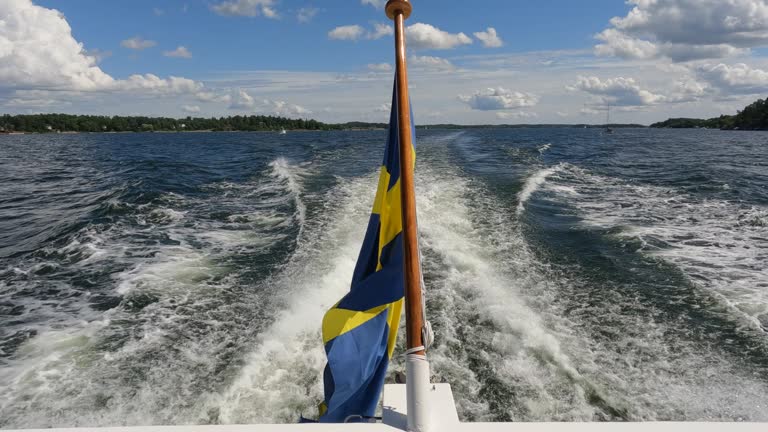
(752, 117)
(70, 123)
(52, 123)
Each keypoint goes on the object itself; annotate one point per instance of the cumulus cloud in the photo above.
(192, 109)
(378, 4)
(499, 98)
(380, 67)
(419, 35)
(181, 52)
(205, 96)
(684, 30)
(381, 30)
(248, 8)
(735, 79)
(283, 108)
(347, 32)
(97, 54)
(153, 84)
(355, 32)
(306, 14)
(383, 108)
(426, 36)
(617, 91)
(489, 38)
(38, 51)
(430, 63)
(243, 101)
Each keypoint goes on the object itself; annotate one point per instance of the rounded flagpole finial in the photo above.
(395, 6)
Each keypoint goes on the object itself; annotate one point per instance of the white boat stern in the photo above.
(442, 407)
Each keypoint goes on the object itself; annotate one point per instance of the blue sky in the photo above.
(486, 61)
(221, 43)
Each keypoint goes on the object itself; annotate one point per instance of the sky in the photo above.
(470, 62)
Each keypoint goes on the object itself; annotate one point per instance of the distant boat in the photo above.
(283, 132)
(608, 129)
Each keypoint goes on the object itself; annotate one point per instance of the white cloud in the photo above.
(249, 8)
(516, 115)
(419, 35)
(617, 91)
(97, 54)
(181, 52)
(380, 67)
(205, 96)
(306, 14)
(38, 51)
(380, 31)
(347, 32)
(153, 84)
(192, 109)
(384, 108)
(619, 44)
(243, 101)
(283, 108)
(378, 4)
(430, 63)
(736, 79)
(137, 43)
(158, 11)
(588, 111)
(684, 30)
(246, 102)
(499, 98)
(489, 38)
(425, 36)
(687, 89)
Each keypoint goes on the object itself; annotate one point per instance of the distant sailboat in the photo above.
(283, 132)
(608, 129)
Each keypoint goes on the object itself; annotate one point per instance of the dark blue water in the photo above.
(571, 275)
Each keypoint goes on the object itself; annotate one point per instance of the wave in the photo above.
(164, 282)
(720, 245)
(533, 184)
(282, 374)
(291, 176)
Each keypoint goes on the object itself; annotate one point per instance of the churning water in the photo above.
(182, 278)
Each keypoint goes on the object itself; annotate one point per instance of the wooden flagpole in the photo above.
(399, 10)
(417, 367)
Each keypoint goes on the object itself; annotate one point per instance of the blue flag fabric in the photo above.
(360, 331)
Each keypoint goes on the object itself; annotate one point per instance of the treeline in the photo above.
(532, 126)
(753, 117)
(49, 123)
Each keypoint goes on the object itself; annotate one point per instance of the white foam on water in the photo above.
(291, 175)
(282, 375)
(488, 275)
(174, 283)
(720, 245)
(533, 183)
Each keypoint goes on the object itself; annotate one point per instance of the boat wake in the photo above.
(720, 245)
(170, 289)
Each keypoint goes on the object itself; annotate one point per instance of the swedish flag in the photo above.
(360, 331)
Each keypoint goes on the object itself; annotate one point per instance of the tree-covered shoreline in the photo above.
(51, 123)
(752, 117)
(63, 123)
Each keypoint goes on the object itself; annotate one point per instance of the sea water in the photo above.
(571, 275)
